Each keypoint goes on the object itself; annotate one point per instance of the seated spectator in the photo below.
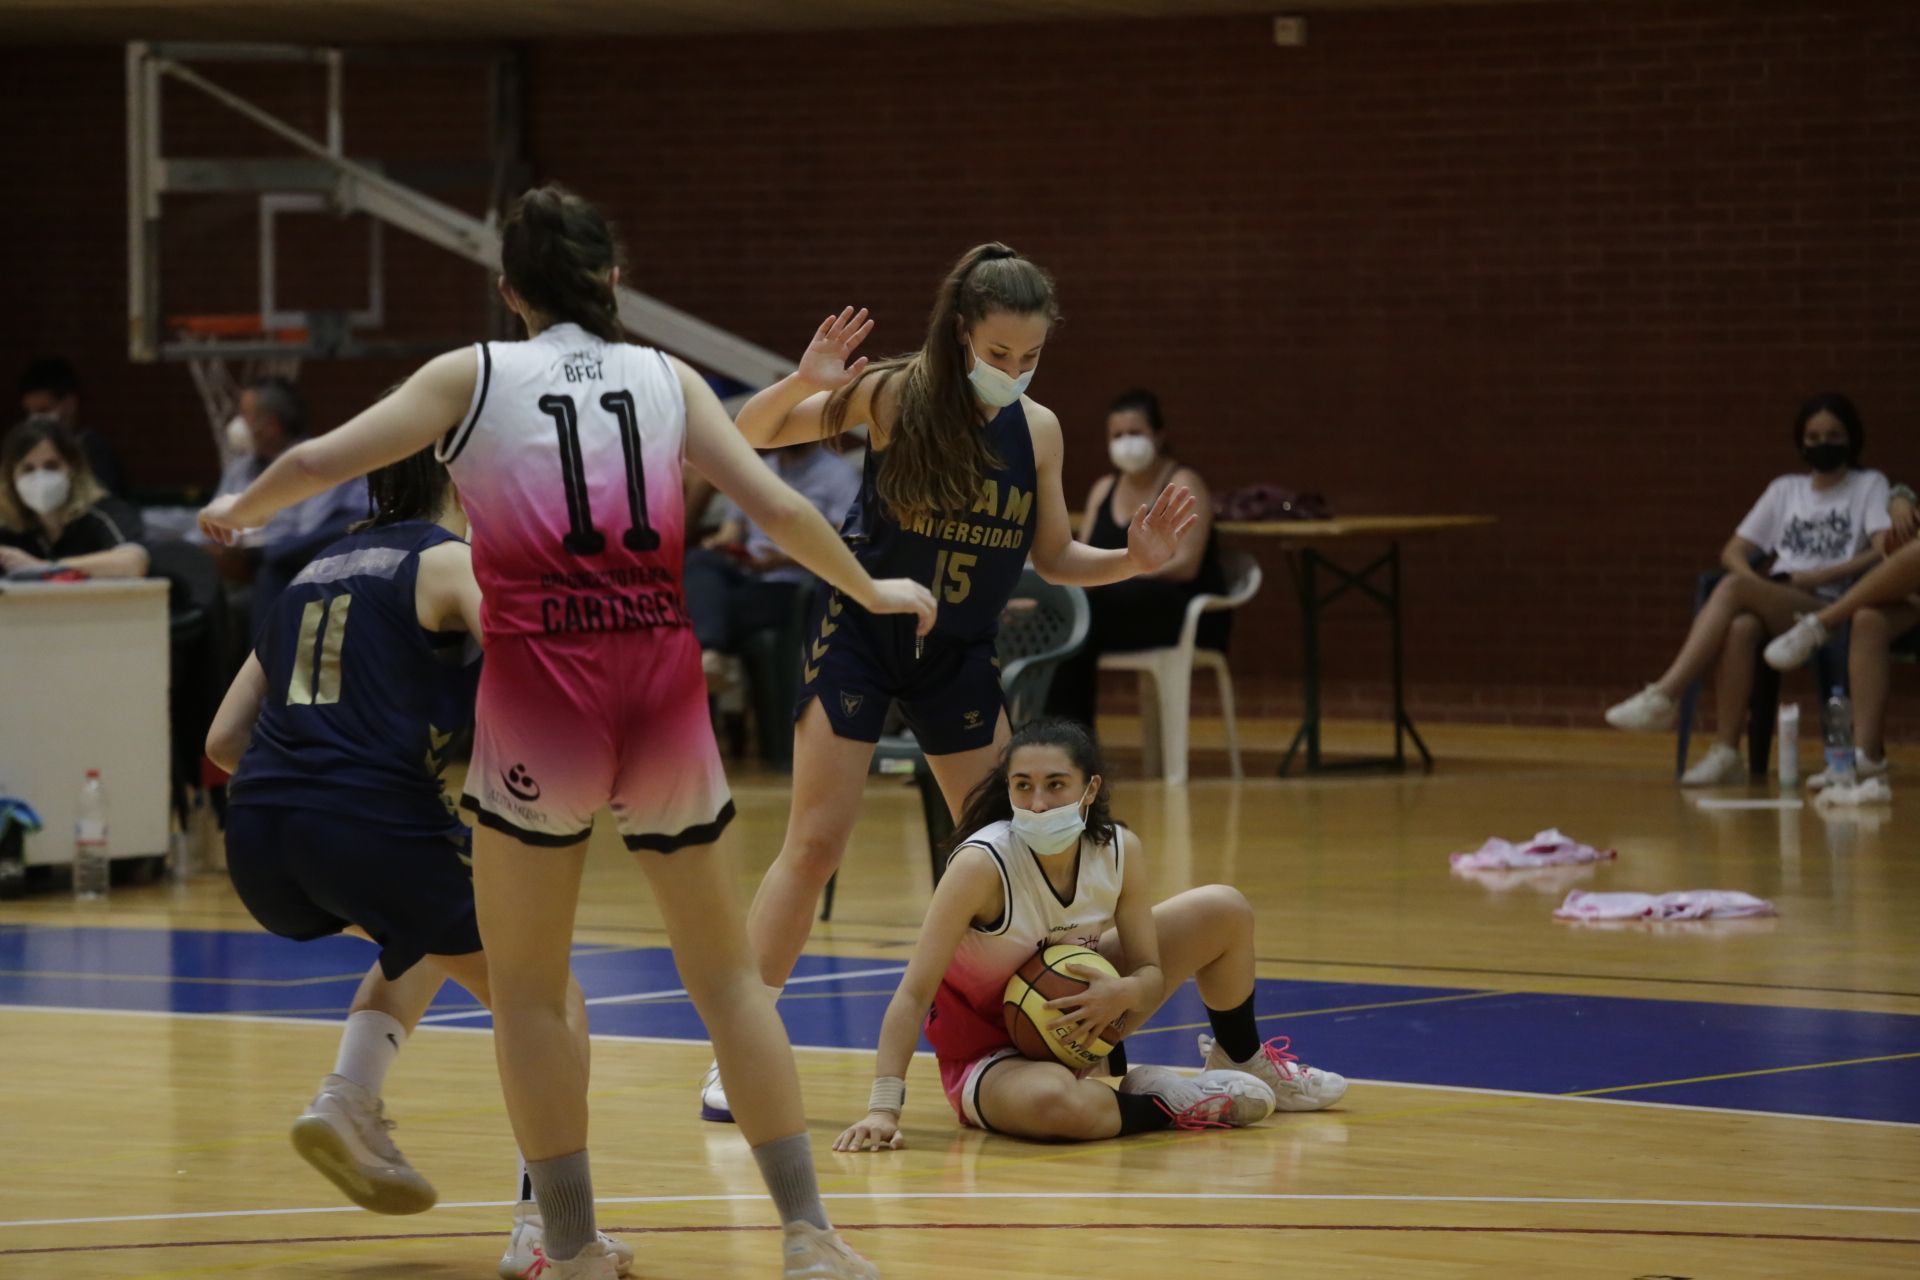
(1146, 612)
(1883, 606)
(54, 514)
(51, 386)
(737, 580)
(1818, 530)
(268, 559)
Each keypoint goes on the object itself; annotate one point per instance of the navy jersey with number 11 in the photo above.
(362, 702)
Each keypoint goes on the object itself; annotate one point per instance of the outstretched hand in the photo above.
(217, 522)
(1154, 533)
(825, 365)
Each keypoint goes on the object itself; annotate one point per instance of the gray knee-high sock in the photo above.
(787, 1166)
(564, 1188)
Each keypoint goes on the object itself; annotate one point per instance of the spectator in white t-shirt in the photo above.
(1813, 533)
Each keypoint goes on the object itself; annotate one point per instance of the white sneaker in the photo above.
(343, 1134)
(1296, 1086)
(526, 1258)
(591, 1263)
(1799, 642)
(1864, 767)
(813, 1254)
(1720, 767)
(1210, 1100)
(1648, 711)
(713, 1098)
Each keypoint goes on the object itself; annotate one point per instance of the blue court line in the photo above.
(1526, 1042)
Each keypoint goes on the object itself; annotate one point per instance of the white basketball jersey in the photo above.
(1032, 916)
(568, 464)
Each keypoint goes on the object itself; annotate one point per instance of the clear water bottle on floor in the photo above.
(1788, 738)
(91, 865)
(1837, 721)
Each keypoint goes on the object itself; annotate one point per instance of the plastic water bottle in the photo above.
(91, 867)
(1838, 723)
(1788, 736)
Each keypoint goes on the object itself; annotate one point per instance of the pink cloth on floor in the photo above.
(1547, 849)
(1688, 904)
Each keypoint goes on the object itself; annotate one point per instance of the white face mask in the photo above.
(1055, 831)
(44, 491)
(996, 386)
(1132, 453)
(239, 438)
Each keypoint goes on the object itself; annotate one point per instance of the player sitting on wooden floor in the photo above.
(1038, 862)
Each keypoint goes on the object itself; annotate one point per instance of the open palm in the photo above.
(825, 365)
(1154, 533)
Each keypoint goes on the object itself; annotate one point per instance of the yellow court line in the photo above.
(1517, 1098)
(83, 975)
(1740, 1075)
(1345, 1008)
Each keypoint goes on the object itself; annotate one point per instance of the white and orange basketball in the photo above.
(1030, 1023)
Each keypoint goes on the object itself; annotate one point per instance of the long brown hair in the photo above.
(937, 456)
(989, 801)
(557, 251)
(82, 492)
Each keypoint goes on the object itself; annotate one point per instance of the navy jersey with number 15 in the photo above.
(971, 560)
(362, 702)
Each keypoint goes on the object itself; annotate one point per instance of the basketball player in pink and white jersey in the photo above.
(567, 449)
(1037, 861)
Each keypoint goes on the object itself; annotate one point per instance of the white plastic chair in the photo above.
(1166, 675)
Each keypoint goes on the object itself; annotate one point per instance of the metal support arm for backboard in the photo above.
(352, 187)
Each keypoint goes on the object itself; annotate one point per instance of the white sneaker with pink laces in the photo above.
(1210, 1100)
(1296, 1086)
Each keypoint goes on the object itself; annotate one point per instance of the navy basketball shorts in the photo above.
(858, 665)
(307, 873)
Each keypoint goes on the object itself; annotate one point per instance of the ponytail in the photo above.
(558, 252)
(937, 457)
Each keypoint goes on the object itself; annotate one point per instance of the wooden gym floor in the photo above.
(1530, 1099)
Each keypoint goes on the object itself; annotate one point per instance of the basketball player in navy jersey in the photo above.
(337, 730)
(961, 488)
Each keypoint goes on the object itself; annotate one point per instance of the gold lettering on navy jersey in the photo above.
(953, 576)
(315, 680)
(1004, 524)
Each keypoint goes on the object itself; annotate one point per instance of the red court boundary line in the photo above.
(1001, 1226)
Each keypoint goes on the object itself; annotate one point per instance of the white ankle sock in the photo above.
(523, 1190)
(368, 1047)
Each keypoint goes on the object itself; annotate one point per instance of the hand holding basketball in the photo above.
(880, 1131)
(1103, 1007)
(825, 364)
(1154, 533)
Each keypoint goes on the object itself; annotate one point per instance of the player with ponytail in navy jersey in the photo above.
(961, 488)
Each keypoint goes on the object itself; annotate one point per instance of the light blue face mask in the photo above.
(1054, 831)
(995, 386)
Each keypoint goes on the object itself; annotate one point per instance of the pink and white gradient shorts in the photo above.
(564, 725)
(960, 1078)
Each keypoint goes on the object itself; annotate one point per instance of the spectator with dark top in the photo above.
(738, 582)
(1146, 612)
(268, 558)
(51, 386)
(54, 514)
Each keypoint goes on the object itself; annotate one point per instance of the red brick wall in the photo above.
(1571, 265)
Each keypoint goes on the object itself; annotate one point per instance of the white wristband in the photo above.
(889, 1095)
